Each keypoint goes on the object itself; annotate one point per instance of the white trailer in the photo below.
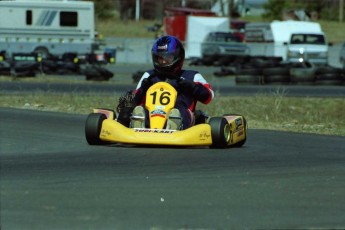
(294, 41)
(47, 27)
(191, 26)
(198, 28)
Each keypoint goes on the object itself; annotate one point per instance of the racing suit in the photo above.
(198, 90)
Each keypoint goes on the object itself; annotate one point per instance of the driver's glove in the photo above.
(197, 91)
(187, 86)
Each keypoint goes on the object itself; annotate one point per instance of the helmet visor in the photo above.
(163, 59)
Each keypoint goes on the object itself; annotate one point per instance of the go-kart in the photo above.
(103, 125)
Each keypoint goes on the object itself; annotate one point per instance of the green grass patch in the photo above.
(122, 29)
(138, 29)
(277, 112)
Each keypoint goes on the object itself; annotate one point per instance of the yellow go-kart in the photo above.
(103, 127)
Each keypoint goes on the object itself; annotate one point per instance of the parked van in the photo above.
(47, 27)
(294, 41)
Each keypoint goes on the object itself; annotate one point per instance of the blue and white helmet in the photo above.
(168, 55)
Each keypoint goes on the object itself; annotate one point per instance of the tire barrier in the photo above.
(260, 70)
(249, 76)
(302, 75)
(29, 64)
(97, 73)
(276, 75)
(224, 72)
(5, 69)
(329, 76)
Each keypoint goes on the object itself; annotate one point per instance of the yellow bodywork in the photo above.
(113, 131)
(198, 135)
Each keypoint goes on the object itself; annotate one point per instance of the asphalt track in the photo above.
(52, 179)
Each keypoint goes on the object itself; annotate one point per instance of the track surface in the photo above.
(51, 179)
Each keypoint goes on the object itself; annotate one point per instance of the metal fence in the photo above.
(131, 50)
(138, 50)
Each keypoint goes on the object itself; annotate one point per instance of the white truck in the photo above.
(191, 26)
(47, 27)
(294, 41)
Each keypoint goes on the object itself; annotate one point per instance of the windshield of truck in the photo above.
(223, 37)
(317, 39)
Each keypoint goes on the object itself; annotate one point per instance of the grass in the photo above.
(274, 112)
(116, 28)
(333, 30)
(130, 29)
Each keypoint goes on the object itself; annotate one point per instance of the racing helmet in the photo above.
(168, 55)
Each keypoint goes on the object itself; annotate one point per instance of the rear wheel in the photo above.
(220, 132)
(93, 128)
(41, 51)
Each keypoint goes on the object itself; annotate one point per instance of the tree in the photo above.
(273, 9)
(326, 9)
(104, 8)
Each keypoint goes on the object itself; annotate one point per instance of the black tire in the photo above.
(260, 62)
(208, 60)
(5, 72)
(105, 73)
(329, 79)
(195, 61)
(327, 70)
(5, 68)
(220, 132)
(224, 61)
(224, 71)
(93, 127)
(69, 67)
(282, 71)
(25, 66)
(248, 80)
(97, 73)
(276, 79)
(302, 75)
(26, 73)
(49, 66)
(249, 71)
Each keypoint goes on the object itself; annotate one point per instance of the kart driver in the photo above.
(168, 56)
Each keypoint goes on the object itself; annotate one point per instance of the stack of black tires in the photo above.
(29, 64)
(21, 64)
(257, 70)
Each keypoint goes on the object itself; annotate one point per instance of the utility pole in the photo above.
(230, 5)
(137, 10)
(221, 3)
(341, 10)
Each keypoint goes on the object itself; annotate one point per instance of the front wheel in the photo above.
(220, 132)
(93, 127)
